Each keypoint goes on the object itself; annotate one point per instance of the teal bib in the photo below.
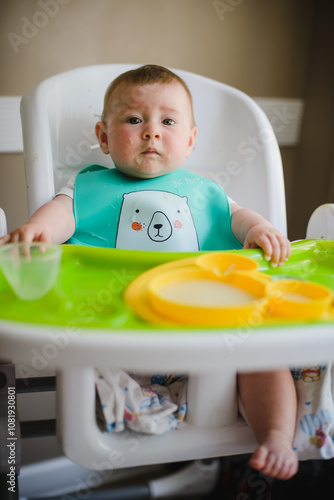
(180, 211)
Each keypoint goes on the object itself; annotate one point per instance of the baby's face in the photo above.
(149, 130)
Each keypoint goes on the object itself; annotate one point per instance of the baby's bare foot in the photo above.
(275, 457)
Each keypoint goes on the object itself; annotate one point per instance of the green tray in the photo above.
(89, 289)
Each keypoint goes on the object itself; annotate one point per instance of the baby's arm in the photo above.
(52, 223)
(254, 231)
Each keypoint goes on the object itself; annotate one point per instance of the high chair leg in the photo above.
(212, 399)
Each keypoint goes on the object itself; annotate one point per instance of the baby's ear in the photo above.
(102, 136)
(192, 139)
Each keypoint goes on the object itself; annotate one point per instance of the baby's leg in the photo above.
(269, 400)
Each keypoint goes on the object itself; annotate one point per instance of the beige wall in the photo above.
(313, 171)
(260, 46)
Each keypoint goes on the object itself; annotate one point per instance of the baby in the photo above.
(148, 129)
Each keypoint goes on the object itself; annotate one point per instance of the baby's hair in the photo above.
(144, 75)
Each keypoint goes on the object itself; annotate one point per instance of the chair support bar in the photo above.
(35, 384)
(38, 428)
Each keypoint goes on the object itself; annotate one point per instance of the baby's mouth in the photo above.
(150, 151)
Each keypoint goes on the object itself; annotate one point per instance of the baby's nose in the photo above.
(152, 132)
(149, 135)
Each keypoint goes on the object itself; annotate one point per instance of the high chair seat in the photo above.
(237, 148)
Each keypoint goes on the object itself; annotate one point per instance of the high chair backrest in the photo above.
(235, 144)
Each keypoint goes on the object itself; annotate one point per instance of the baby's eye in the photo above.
(134, 120)
(168, 121)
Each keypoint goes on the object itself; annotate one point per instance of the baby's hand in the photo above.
(275, 245)
(28, 232)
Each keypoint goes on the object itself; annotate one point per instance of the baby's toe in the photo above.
(289, 468)
(259, 458)
(273, 466)
(281, 467)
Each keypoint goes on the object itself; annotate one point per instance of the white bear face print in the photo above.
(156, 220)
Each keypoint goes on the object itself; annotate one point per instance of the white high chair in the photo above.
(236, 147)
(3, 223)
(321, 222)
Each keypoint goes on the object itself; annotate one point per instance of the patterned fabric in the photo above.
(314, 437)
(148, 404)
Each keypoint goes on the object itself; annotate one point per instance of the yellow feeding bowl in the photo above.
(298, 299)
(222, 263)
(200, 297)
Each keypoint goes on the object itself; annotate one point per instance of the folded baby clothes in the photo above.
(148, 404)
(314, 437)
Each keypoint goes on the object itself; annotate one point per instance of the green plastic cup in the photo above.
(31, 269)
